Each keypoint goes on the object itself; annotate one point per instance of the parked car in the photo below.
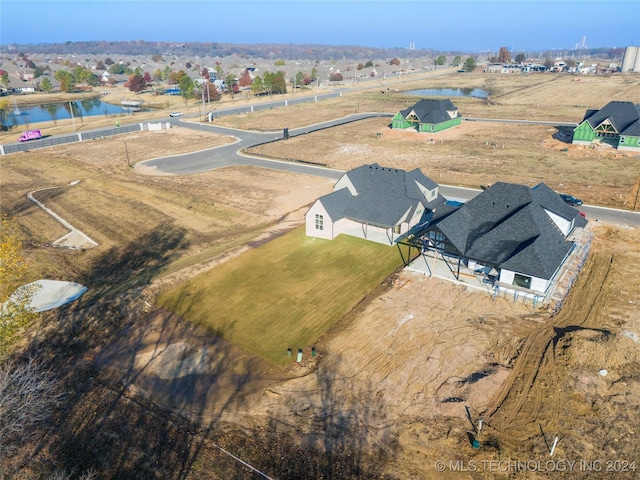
(30, 135)
(175, 114)
(571, 200)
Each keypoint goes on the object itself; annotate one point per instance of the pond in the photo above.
(450, 92)
(52, 112)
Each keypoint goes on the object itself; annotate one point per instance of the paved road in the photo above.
(231, 154)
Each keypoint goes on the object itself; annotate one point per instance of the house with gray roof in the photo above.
(428, 115)
(376, 203)
(521, 236)
(617, 124)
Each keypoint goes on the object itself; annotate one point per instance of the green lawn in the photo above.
(284, 294)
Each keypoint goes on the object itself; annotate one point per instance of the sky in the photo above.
(444, 25)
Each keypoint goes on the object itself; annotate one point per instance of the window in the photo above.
(522, 281)
(319, 222)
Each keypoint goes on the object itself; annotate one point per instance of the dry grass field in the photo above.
(142, 403)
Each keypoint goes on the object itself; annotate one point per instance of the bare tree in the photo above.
(28, 393)
(504, 56)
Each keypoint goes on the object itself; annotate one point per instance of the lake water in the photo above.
(22, 115)
(450, 92)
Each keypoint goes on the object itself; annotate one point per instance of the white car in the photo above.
(175, 114)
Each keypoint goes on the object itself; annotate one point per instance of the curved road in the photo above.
(228, 155)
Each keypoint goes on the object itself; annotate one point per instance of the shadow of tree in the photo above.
(128, 418)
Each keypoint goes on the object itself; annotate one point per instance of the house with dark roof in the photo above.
(428, 115)
(375, 203)
(519, 236)
(617, 124)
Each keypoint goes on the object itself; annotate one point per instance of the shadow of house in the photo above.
(616, 124)
(428, 116)
(375, 203)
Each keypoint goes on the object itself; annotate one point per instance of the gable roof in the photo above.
(508, 226)
(623, 116)
(429, 110)
(383, 196)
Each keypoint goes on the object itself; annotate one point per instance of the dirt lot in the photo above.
(150, 396)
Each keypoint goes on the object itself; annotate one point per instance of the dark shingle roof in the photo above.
(507, 226)
(624, 116)
(385, 196)
(431, 110)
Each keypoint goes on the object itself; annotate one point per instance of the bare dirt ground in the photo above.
(150, 396)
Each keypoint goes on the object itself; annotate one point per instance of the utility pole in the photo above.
(127, 152)
(71, 110)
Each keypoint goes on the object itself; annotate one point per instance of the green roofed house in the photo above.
(617, 124)
(428, 115)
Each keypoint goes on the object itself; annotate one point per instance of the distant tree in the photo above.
(187, 65)
(394, 61)
(205, 73)
(469, 64)
(441, 60)
(267, 82)
(548, 62)
(136, 83)
(299, 79)
(156, 58)
(314, 74)
(186, 87)
(45, 85)
(137, 70)
(108, 61)
(368, 64)
(520, 58)
(570, 63)
(336, 77)
(117, 69)
(147, 77)
(219, 70)
(493, 59)
(279, 63)
(504, 56)
(100, 65)
(245, 78)
(279, 83)
(166, 75)
(257, 86)
(66, 80)
(360, 66)
(37, 72)
(157, 75)
(212, 92)
(457, 60)
(174, 77)
(490, 86)
(230, 82)
(4, 79)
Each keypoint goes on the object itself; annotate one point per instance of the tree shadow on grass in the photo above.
(106, 421)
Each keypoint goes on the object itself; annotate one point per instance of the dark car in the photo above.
(571, 200)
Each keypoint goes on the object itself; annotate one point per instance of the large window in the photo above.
(319, 222)
(522, 281)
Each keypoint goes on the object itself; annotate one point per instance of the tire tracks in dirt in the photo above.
(520, 400)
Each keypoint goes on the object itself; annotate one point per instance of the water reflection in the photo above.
(52, 112)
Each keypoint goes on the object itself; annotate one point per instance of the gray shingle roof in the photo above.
(431, 110)
(624, 116)
(507, 226)
(384, 196)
